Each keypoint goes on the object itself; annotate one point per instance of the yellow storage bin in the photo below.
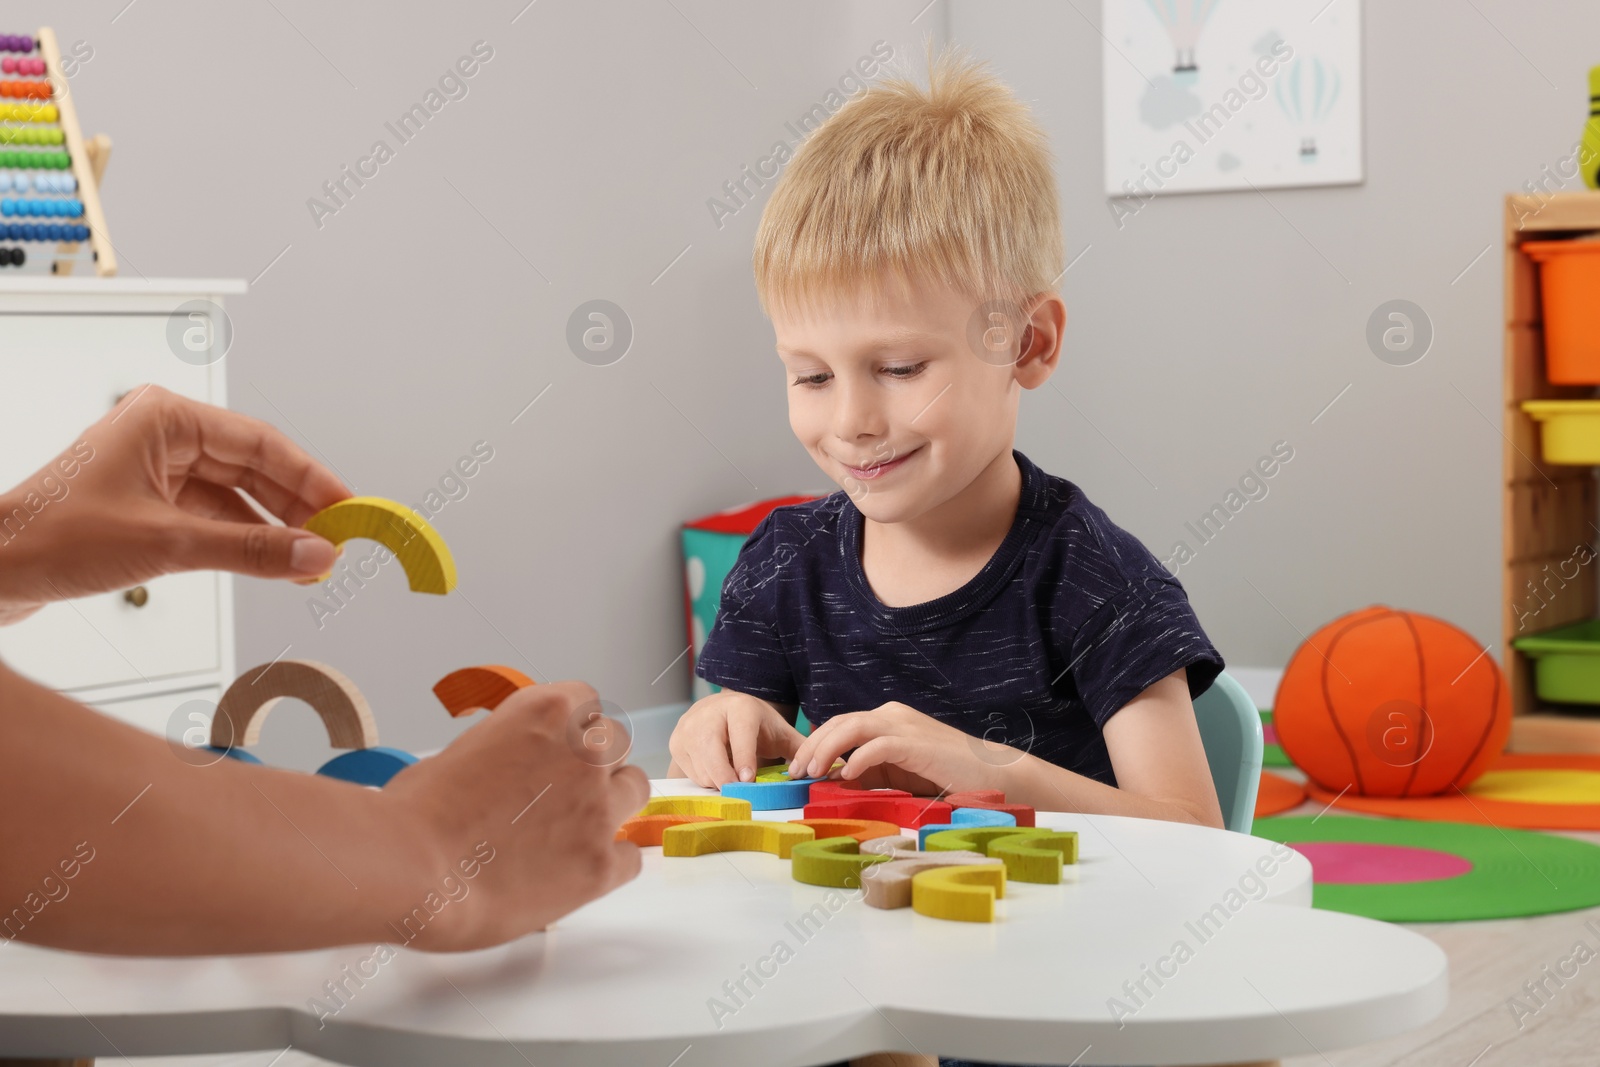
(1571, 430)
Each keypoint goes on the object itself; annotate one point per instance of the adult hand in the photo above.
(540, 786)
(153, 488)
(723, 737)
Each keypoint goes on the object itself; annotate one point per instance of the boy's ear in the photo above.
(1040, 350)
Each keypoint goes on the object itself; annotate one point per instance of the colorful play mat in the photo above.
(1278, 793)
(1534, 792)
(1272, 754)
(1402, 871)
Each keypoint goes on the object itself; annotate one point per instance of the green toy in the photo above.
(834, 861)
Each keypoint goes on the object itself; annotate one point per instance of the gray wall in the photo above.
(1211, 326)
(425, 314)
(421, 317)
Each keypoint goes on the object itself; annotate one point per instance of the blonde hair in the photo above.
(949, 184)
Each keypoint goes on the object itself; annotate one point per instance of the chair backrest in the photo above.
(1230, 729)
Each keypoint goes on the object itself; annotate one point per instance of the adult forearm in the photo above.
(21, 543)
(115, 842)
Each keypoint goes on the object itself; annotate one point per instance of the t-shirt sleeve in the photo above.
(1130, 627)
(744, 651)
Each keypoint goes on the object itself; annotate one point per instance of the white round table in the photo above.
(1164, 945)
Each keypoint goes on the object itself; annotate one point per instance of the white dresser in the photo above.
(69, 347)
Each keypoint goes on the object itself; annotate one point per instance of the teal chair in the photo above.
(1230, 730)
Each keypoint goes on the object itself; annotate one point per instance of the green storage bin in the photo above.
(1566, 662)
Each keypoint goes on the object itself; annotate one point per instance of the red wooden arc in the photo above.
(910, 812)
(831, 789)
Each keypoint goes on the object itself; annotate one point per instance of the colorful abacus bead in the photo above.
(12, 257)
(27, 90)
(30, 135)
(29, 112)
(30, 207)
(35, 160)
(27, 231)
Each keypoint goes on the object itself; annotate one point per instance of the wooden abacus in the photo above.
(42, 151)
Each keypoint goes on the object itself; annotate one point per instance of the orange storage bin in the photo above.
(1569, 276)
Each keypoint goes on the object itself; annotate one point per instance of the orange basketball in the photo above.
(1390, 703)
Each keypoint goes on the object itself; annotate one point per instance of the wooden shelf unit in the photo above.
(1549, 520)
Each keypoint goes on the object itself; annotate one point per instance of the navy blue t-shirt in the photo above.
(1069, 621)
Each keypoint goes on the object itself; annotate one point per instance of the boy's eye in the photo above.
(905, 370)
(816, 379)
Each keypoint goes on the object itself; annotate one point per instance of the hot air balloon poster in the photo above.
(1207, 95)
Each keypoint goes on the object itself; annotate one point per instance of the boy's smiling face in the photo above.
(894, 401)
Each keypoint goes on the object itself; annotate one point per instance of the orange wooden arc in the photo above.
(860, 829)
(344, 711)
(471, 688)
(646, 830)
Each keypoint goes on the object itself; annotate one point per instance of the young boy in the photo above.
(954, 618)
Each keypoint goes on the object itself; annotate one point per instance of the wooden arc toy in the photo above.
(368, 766)
(883, 846)
(734, 835)
(772, 794)
(991, 800)
(471, 688)
(1030, 854)
(910, 812)
(332, 696)
(711, 807)
(964, 817)
(646, 830)
(828, 790)
(962, 893)
(835, 861)
(888, 885)
(1036, 857)
(973, 838)
(860, 829)
(421, 551)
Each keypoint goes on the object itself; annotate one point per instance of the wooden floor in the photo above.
(1489, 962)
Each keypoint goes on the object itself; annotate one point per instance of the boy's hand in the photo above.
(723, 737)
(898, 745)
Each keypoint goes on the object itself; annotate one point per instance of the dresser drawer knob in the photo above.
(138, 596)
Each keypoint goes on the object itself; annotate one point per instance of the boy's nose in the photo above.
(857, 415)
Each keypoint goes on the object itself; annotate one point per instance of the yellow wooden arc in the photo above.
(964, 894)
(421, 551)
(711, 807)
(699, 838)
(888, 885)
